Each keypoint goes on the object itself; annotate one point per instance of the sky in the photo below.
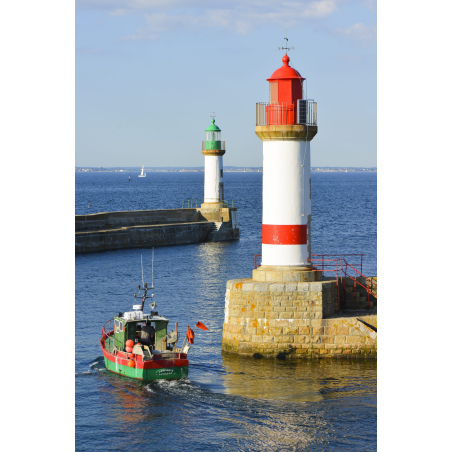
(149, 73)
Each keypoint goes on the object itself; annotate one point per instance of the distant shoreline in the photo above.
(226, 170)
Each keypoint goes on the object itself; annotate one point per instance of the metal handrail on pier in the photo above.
(343, 270)
(194, 203)
(191, 203)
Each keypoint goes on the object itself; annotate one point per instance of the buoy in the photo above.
(129, 343)
(131, 363)
(129, 349)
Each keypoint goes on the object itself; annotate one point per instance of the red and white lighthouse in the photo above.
(286, 124)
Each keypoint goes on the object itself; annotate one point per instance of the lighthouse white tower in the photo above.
(213, 149)
(286, 125)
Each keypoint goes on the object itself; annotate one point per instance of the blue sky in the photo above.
(149, 73)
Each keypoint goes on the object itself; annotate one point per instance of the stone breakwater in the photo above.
(296, 320)
(145, 228)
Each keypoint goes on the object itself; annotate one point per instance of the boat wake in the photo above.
(95, 367)
(184, 386)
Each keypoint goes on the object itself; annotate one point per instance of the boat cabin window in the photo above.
(119, 326)
(146, 333)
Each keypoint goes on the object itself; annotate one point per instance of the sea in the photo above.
(228, 403)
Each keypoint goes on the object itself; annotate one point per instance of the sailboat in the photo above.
(143, 172)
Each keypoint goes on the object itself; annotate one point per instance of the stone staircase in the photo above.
(216, 225)
(356, 297)
(192, 216)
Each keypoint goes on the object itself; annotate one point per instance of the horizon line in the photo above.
(226, 166)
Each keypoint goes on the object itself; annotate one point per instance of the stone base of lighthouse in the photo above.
(209, 206)
(274, 274)
(286, 312)
(224, 220)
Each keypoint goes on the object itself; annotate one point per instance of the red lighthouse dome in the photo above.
(285, 71)
(286, 83)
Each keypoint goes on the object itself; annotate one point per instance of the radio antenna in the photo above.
(152, 285)
(142, 274)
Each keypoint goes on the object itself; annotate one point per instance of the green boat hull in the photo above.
(163, 373)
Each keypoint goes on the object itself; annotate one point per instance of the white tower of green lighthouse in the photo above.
(213, 149)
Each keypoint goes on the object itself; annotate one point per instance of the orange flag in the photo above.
(190, 335)
(202, 326)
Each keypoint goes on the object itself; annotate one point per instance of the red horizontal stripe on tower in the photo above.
(284, 234)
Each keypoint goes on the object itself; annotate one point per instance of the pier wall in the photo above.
(141, 236)
(295, 320)
(114, 220)
(146, 228)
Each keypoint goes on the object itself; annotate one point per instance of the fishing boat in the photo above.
(143, 172)
(138, 345)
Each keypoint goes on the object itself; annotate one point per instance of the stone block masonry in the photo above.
(355, 295)
(141, 236)
(146, 228)
(295, 320)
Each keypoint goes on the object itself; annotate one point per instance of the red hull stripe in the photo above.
(284, 234)
(154, 364)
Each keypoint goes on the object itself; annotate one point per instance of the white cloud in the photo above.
(236, 16)
(359, 33)
(370, 4)
(318, 7)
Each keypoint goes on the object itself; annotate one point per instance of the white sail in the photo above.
(143, 172)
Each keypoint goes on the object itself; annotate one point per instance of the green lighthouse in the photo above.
(213, 149)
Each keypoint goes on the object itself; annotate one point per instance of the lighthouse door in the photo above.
(273, 92)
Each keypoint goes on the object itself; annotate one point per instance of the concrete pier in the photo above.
(146, 228)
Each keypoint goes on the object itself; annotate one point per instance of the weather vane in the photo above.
(286, 48)
(212, 115)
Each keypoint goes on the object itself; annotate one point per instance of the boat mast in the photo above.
(145, 285)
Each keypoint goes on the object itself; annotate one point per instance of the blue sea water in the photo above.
(227, 403)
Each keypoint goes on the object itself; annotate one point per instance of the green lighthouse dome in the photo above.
(213, 127)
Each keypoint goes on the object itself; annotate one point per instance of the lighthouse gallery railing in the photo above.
(286, 113)
(214, 145)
